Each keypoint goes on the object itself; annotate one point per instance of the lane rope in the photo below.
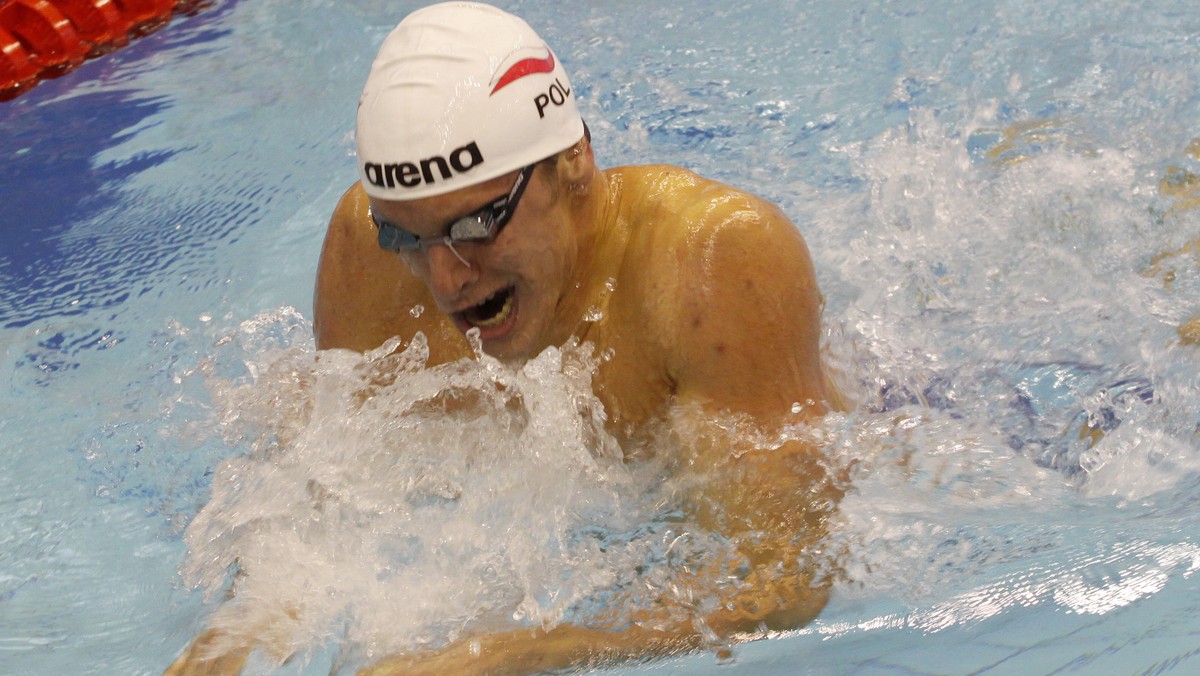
(42, 39)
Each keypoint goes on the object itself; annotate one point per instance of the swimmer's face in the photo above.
(508, 288)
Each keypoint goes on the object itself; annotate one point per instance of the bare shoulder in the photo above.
(711, 239)
(739, 291)
(365, 295)
(695, 211)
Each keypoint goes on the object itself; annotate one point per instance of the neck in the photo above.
(593, 214)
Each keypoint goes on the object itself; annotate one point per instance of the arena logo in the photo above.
(413, 174)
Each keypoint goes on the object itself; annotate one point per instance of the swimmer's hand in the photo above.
(202, 658)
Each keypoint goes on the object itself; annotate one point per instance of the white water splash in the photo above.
(389, 505)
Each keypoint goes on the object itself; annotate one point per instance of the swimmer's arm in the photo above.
(527, 651)
(216, 652)
(767, 505)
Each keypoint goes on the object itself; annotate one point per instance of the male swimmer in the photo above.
(479, 196)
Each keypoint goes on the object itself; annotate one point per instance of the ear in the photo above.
(577, 165)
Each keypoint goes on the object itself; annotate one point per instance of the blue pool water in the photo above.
(998, 198)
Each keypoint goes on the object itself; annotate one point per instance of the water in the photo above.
(998, 200)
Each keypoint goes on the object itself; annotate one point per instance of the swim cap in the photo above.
(459, 94)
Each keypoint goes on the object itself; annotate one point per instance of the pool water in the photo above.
(999, 199)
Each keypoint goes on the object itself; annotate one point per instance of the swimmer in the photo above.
(480, 207)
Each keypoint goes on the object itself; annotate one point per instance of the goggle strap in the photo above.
(514, 195)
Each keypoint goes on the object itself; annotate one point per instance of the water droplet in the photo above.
(611, 284)
(417, 310)
(797, 408)
(607, 355)
(475, 341)
(594, 314)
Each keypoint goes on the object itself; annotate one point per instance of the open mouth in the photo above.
(492, 312)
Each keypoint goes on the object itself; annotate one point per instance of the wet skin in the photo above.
(709, 307)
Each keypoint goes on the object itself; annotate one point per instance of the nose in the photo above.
(449, 272)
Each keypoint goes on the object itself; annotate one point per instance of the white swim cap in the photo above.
(459, 94)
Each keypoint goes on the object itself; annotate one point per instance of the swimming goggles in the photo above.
(479, 226)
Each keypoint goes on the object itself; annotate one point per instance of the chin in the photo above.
(507, 326)
(510, 347)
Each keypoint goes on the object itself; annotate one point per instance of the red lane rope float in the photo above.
(42, 39)
(16, 69)
(49, 37)
(100, 23)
